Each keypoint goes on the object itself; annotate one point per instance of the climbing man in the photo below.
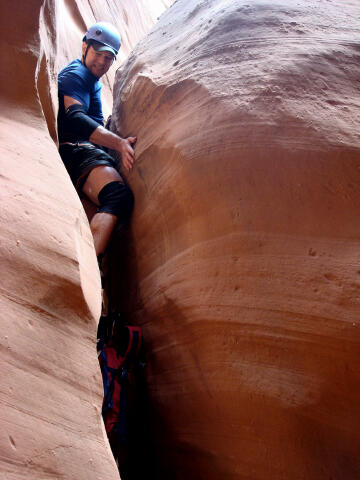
(82, 134)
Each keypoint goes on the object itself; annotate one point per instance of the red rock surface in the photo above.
(50, 383)
(245, 252)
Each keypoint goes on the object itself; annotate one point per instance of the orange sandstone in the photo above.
(245, 253)
(50, 383)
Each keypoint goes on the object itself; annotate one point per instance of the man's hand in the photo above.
(102, 136)
(127, 152)
(124, 146)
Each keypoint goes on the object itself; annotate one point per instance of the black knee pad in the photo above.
(117, 199)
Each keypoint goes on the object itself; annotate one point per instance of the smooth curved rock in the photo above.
(50, 381)
(50, 296)
(245, 238)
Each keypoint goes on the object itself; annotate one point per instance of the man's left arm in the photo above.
(89, 128)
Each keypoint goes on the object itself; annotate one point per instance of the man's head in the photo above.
(101, 44)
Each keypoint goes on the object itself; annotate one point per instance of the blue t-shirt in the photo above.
(76, 81)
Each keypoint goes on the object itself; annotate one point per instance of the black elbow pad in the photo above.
(79, 121)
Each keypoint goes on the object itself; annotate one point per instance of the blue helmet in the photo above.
(106, 35)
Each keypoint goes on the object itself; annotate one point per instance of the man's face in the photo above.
(97, 62)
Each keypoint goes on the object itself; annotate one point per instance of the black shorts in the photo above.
(79, 160)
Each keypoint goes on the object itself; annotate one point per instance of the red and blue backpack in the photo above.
(119, 354)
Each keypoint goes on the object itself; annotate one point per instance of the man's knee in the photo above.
(117, 199)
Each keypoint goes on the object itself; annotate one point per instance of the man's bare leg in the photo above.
(102, 224)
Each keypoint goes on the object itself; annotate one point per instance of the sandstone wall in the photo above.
(244, 248)
(50, 384)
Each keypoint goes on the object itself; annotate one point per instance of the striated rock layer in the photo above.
(50, 382)
(245, 251)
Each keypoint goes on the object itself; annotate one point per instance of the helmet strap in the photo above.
(86, 51)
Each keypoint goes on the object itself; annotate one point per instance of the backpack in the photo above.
(119, 354)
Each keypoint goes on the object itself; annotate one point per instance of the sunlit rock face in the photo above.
(245, 239)
(50, 383)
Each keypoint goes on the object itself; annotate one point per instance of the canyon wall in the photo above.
(243, 256)
(50, 387)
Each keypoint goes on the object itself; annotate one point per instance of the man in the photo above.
(81, 131)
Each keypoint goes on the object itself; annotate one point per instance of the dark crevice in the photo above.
(132, 444)
(46, 65)
(43, 88)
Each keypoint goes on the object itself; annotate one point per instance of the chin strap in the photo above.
(86, 51)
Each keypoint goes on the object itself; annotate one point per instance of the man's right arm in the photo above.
(99, 134)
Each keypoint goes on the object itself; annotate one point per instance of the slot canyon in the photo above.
(241, 263)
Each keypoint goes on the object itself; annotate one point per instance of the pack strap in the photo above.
(120, 374)
(120, 427)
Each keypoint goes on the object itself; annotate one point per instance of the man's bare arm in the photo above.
(104, 137)
(68, 101)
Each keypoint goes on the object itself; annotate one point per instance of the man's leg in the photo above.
(102, 226)
(102, 223)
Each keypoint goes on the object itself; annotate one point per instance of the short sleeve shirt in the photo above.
(76, 81)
